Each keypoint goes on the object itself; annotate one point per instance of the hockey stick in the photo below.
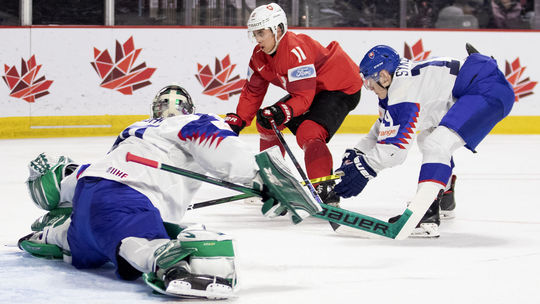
(218, 201)
(321, 180)
(337, 215)
(191, 174)
(303, 175)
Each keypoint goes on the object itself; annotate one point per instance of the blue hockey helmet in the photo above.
(380, 57)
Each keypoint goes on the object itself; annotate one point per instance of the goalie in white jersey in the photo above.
(449, 102)
(119, 207)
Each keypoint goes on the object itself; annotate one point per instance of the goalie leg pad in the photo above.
(283, 186)
(200, 263)
(32, 244)
(49, 237)
(54, 218)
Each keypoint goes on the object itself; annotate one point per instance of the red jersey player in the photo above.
(323, 85)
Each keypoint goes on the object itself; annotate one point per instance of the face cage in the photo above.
(184, 107)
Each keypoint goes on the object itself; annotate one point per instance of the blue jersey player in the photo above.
(442, 102)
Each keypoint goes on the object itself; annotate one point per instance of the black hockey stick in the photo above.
(320, 180)
(337, 215)
(303, 175)
(218, 201)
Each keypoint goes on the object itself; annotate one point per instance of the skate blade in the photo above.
(214, 291)
(447, 214)
(425, 230)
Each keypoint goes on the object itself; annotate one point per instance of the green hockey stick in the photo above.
(336, 215)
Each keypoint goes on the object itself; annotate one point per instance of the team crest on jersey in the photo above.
(302, 72)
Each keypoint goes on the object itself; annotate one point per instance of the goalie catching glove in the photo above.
(46, 175)
(357, 173)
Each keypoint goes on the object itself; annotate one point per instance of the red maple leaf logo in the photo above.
(220, 83)
(416, 52)
(513, 73)
(26, 86)
(120, 75)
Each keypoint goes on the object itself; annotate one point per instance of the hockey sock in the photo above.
(318, 158)
(311, 136)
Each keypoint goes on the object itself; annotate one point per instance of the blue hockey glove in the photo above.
(357, 173)
(281, 113)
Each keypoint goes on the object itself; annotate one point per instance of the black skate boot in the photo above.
(180, 281)
(327, 194)
(448, 201)
(429, 224)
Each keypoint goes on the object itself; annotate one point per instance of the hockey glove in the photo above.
(235, 122)
(356, 171)
(280, 112)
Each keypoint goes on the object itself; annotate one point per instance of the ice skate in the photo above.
(448, 201)
(327, 194)
(428, 227)
(179, 281)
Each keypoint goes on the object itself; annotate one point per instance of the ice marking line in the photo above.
(74, 126)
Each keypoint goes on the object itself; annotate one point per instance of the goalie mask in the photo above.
(170, 101)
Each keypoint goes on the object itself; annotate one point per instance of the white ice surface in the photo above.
(489, 254)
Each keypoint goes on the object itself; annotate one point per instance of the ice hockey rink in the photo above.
(490, 253)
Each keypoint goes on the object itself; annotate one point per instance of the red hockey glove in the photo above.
(235, 122)
(280, 112)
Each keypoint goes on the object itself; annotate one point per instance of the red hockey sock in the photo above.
(268, 139)
(318, 158)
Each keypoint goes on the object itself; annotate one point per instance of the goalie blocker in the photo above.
(281, 191)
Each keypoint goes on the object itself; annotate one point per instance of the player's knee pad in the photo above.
(46, 173)
(212, 253)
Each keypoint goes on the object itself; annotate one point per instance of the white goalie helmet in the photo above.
(267, 16)
(170, 101)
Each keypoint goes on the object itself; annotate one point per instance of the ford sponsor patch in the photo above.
(302, 72)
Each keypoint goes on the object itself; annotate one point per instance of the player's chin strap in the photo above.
(362, 224)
